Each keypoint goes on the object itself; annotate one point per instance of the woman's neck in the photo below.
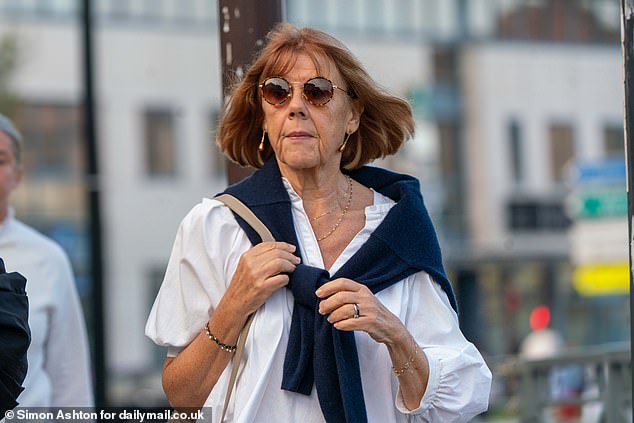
(317, 186)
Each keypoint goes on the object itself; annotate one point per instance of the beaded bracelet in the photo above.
(410, 362)
(224, 347)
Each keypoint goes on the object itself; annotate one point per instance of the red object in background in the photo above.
(512, 300)
(540, 317)
(568, 413)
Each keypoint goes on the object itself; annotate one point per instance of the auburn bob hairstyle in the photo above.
(386, 121)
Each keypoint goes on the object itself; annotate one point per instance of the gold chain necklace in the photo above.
(343, 212)
(312, 219)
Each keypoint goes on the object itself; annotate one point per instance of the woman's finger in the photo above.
(340, 284)
(278, 280)
(267, 246)
(337, 300)
(346, 311)
(276, 265)
(274, 250)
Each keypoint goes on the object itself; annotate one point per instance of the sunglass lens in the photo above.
(318, 91)
(275, 90)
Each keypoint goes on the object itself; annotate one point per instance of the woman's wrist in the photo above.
(404, 352)
(225, 347)
(225, 324)
(399, 338)
(400, 369)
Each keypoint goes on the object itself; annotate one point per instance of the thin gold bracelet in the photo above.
(409, 364)
(223, 346)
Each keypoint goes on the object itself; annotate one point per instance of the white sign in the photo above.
(601, 240)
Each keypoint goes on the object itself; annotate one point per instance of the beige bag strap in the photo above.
(244, 212)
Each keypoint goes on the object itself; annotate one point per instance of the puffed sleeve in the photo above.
(459, 380)
(206, 251)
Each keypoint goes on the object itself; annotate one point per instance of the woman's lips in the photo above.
(298, 134)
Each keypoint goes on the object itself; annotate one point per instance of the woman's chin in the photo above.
(299, 161)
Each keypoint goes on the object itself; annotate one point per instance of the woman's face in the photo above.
(304, 136)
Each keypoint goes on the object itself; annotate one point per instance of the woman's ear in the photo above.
(355, 120)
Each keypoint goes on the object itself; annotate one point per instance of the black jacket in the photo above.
(15, 337)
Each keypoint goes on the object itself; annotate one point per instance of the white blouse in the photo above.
(204, 257)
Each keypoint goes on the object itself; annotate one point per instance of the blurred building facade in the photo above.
(507, 96)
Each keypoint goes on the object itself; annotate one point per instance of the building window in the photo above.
(515, 149)
(453, 177)
(523, 215)
(561, 150)
(160, 142)
(558, 21)
(51, 134)
(52, 195)
(445, 64)
(613, 142)
(536, 215)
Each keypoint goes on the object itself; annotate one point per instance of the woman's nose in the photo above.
(297, 104)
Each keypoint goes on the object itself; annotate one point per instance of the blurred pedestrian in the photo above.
(14, 337)
(355, 319)
(59, 366)
(542, 341)
(565, 381)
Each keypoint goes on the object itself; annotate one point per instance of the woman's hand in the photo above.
(261, 271)
(410, 365)
(340, 296)
(189, 377)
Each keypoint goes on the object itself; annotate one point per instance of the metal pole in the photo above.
(243, 24)
(627, 38)
(94, 214)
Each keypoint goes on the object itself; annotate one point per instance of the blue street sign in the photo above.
(608, 171)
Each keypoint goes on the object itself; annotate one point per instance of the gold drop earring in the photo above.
(261, 146)
(343, 146)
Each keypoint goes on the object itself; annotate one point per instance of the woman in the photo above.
(378, 340)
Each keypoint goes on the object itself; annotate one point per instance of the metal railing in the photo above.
(593, 378)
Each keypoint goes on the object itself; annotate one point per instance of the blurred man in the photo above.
(59, 370)
(14, 337)
(566, 382)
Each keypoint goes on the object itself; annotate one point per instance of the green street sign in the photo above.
(603, 203)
